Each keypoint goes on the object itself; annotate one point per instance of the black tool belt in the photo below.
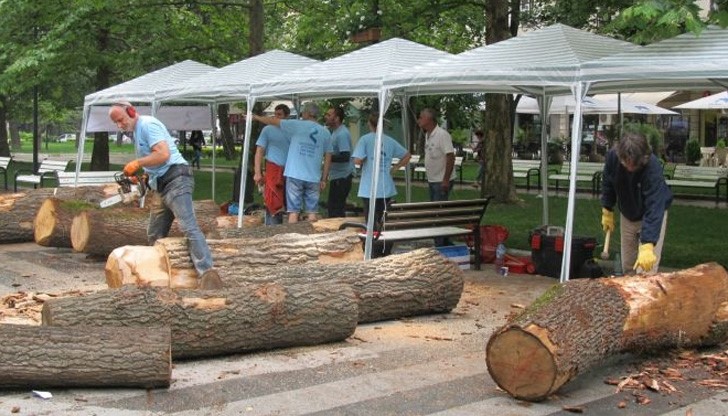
(174, 171)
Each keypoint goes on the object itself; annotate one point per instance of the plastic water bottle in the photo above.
(500, 258)
(618, 265)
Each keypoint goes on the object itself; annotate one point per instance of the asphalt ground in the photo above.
(428, 365)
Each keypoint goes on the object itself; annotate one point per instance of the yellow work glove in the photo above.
(607, 220)
(646, 258)
(132, 167)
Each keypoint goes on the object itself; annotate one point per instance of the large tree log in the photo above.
(302, 227)
(242, 319)
(579, 324)
(100, 231)
(415, 283)
(52, 224)
(37, 357)
(18, 210)
(128, 265)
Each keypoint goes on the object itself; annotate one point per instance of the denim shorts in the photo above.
(300, 193)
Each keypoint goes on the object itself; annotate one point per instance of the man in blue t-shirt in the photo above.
(171, 176)
(364, 156)
(310, 144)
(342, 169)
(273, 145)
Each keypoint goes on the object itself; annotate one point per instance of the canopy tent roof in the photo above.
(687, 61)
(174, 117)
(545, 61)
(564, 104)
(233, 82)
(356, 73)
(142, 89)
(712, 102)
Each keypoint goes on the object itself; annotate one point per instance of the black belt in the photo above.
(173, 172)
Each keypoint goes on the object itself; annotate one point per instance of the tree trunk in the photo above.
(142, 266)
(498, 178)
(52, 224)
(100, 231)
(415, 283)
(579, 324)
(327, 225)
(206, 323)
(4, 142)
(257, 26)
(39, 357)
(18, 210)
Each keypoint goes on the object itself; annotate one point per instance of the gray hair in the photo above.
(634, 148)
(311, 108)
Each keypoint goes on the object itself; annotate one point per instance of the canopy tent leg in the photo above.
(250, 102)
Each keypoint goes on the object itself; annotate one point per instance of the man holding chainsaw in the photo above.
(171, 176)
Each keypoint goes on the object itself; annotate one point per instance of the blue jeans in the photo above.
(302, 193)
(438, 194)
(177, 203)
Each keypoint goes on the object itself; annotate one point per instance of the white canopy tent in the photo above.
(355, 74)
(174, 117)
(542, 63)
(233, 83)
(712, 102)
(138, 90)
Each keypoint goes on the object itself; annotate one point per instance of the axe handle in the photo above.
(605, 251)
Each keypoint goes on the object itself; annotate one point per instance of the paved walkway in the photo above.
(429, 365)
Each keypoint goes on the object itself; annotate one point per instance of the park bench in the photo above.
(411, 221)
(590, 172)
(92, 178)
(4, 166)
(46, 171)
(528, 169)
(701, 177)
(420, 171)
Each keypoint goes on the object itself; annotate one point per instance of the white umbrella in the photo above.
(715, 101)
(564, 104)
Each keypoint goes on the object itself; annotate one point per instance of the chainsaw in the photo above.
(131, 188)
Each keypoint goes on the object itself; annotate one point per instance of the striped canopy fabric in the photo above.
(685, 62)
(233, 82)
(357, 73)
(545, 61)
(142, 89)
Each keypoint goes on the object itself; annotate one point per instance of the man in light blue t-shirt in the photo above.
(171, 176)
(364, 156)
(310, 144)
(342, 168)
(273, 145)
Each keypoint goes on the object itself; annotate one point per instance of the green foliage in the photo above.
(692, 151)
(720, 144)
(652, 134)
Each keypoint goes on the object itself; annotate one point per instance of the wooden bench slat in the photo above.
(46, 170)
(590, 172)
(4, 166)
(68, 179)
(700, 177)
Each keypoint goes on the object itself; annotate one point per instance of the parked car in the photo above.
(66, 137)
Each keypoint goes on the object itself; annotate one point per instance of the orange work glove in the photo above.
(132, 168)
(646, 258)
(607, 220)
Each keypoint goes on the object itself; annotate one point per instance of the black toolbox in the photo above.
(547, 250)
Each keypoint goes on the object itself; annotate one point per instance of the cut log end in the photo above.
(521, 364)
(80, 232)
(45, 222)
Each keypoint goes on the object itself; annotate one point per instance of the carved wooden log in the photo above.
(37, 357)
(577, 325)
(52, 224)
(18, 210)
(209, 323)
(100, 231)
(231, 256)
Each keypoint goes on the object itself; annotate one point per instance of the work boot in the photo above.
(210, 280)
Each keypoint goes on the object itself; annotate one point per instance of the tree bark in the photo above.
(52, 224)
(144, 266)
(579, 324)
(326, 225)
(208, 323)
(18, 210)
(38, 357)
(100, 231)
(419, 282)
